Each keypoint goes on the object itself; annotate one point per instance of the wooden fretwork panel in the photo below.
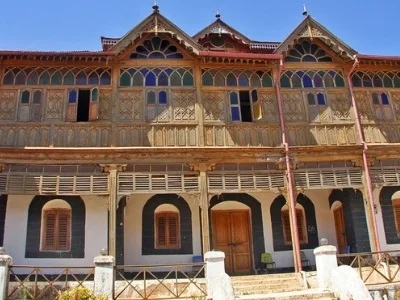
(183, 105)
(55, 104)
(214, 105)
(131, 105)
(8, 100)
(294, 106)
(340, 106)
(270, 107)
(105, 105)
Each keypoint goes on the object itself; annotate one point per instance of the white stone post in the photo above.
(5, 262)
(104, 275)
(326, 261)
(215, 267)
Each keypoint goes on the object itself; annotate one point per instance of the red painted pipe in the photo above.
(292, 208)
(365, 158)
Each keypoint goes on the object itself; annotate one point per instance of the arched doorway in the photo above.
(236, 229)
(340, 228)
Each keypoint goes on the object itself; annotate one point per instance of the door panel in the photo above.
(231, 234)
(340, 229)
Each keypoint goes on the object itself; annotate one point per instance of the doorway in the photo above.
(231, 234)
(340, 229)
(83, 106)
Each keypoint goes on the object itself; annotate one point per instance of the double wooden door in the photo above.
(340, 229)
(231, 234)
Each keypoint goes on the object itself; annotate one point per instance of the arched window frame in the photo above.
(30, 105)
(237, 78)
(167, 230)
(156, 48)
(381, 104)
(56, 229)
(301, 225)
(158, 107)
(308, 52)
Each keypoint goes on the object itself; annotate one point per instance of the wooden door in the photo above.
(340, 229)
(231, 234)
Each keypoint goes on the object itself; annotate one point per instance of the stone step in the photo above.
(267, 281)
(310, 294)
(266, 276)
(268, 285)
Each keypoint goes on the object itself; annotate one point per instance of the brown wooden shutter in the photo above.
(287, 233)
(64, 218)
(56, 229)
(49, 227)
(396, 211)
(173, 234)
(161, 226)
(94, 104)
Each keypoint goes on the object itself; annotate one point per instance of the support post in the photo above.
(326, 262)
(112, 169)
(205, 221)
(199, 107)
(104, 275)
(5, 262)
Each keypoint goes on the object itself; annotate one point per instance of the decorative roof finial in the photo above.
(156, 7)
(305, 13)
(218, 15)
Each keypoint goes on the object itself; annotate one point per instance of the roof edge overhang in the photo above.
(240, 55)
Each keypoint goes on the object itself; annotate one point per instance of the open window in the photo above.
(30, 105)
(245, 106)
(83, 105)
(301, 226)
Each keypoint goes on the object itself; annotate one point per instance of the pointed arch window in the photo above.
(30, 105)
(223, 77)
(157, 108)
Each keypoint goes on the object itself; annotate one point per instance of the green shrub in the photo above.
(80, 294)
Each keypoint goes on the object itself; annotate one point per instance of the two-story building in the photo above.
(162, 146)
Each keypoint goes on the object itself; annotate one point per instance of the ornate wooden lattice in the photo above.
(183, 105)
(270, 107)
(214, 105)
(55, 104)
(105, 105)
(294, 107)
(131, 105)
(340, 106)
(8, 99)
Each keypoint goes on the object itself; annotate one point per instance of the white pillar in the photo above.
(215, 267)
(326, 261)
(104, 275)
(5, 262)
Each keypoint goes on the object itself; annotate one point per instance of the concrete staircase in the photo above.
(276, 286)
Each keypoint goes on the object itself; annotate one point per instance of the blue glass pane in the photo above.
(81, 79)
(311, 99)
(231, 80)
(25, 97)
(72, 97)
(318, 81)
(168, 71)
(375, 99)
(150, 79)
(307, 82)
(157, 55)
(105, 79)
(367, 82)
(151, 97)
(93, 78)
(243, 80)
(9, 78)
(148, 44)
(235, 113)
(162, 98)
(163, 79)
(208, 79)
(308, 58)
(321, 99)
(385, 99)
(356, 81)
(234, 99)
(378, 81)
(142, 50)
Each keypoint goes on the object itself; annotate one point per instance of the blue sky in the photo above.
(369, 26)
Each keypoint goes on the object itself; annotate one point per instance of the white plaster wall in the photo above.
(16, 229)
(379, 223)
(133, 234)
